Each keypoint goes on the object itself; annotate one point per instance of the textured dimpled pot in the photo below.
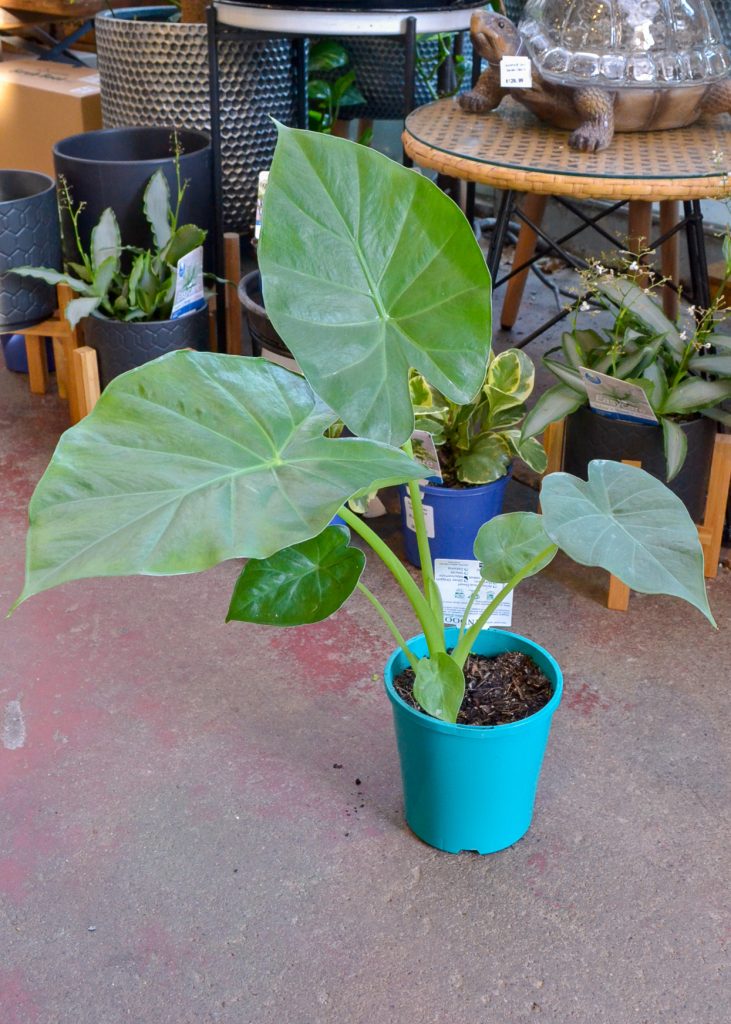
(466, 787)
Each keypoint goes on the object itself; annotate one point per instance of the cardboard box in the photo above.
(40, 103)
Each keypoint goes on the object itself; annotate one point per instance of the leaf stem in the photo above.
(433, 629)
(463, 647)
(431, 590)
(412, 659)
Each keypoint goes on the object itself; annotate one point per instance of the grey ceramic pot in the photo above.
(29, 236)
(122, 346)
(111, 167)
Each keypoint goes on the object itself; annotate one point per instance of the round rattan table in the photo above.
(513, 151)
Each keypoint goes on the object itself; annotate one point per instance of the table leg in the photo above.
(499, 232)
(669, 255)
(638, 232)
(533, 206)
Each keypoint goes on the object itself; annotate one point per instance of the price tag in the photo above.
(515, 73)
(189, 291)
(617, 399)
(428, 517)
(425, 452)
(261, 189)
(456, 579)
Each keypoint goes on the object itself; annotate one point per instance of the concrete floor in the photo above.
(178, 847)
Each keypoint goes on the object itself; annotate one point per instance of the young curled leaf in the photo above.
(439, 687)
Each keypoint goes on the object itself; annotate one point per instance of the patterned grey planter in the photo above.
(155, 72)
(122, 346)
(29, 236)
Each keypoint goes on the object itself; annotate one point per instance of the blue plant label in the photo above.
(261, 189)
(189, 291)
(425, 452)
(457, 578)
(515, 73)
(615, 398)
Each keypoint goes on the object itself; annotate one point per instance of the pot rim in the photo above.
(439, 490)
(481, 731)
(47, 182)
(148, 130)
(149, 15)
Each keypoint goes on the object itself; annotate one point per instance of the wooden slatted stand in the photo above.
(710, 531)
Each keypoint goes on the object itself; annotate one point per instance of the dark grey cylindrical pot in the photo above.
(122, 346)
(591, 436)
(111, 167)
(29, 236)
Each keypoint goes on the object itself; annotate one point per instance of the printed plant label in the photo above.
(189, 292)
(618, 399)
(456, 579)
(425, 452)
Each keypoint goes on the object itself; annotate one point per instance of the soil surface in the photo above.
(497, 690)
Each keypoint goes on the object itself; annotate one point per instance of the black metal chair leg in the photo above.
(500, 231)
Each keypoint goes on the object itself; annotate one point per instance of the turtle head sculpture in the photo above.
(600, 66)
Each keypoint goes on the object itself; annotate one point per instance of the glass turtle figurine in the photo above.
(600, 66)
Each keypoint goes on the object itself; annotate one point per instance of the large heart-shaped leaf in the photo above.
(629, 523)
(508, 543)
(439, 686)
(369, 269)
(192, 459)
(301, 584)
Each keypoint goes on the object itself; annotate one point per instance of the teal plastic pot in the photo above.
(469, 787)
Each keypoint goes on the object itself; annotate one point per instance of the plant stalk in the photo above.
(433, 629)
(431, 590)
(395, 632)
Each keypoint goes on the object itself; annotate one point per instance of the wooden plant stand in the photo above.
(710, 531)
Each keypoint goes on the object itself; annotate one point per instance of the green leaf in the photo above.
(301, 584)
(439, 687)
(319, 91)
(722, 341)
(720, 415)
(360, 299)
(587, 341)
(630, 524)
(573, 352)
(106, 242)
(327, 56)
(189, 460)
(568, 376)
(77, 309)
(530, 450)
(352, 97)
(694, 394)
(507, 543)
(629, 363)
(676, 447)
(510, 379)
(719, 364)
(487, 459)
(104, 275)
(655, 374)
(185, 240)
(81, 271)
(553, 405)
(156, 204)
(53, 277)
(621, 292)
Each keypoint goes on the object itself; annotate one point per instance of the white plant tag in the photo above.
(456, 579)
(515, 73)
(428, 517)
(617, 399)
(425, 452)
(189, 291)
(261, 189)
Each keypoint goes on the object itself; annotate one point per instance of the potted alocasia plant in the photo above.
(475, 445)
(126, 296)
(369, 271)
(684, 381)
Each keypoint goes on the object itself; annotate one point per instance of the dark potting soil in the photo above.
(498, 690)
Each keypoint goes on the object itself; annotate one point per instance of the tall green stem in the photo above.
(464, 646)
(433, 629)
(431, 590)
(395, 632)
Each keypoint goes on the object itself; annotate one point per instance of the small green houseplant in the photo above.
(117, 285)
(369, 271)
(682, 378)
(476, 443)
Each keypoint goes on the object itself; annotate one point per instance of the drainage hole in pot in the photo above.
(498, 690)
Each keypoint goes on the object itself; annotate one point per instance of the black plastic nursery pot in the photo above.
(592, 436)
(29, 236)
(263, 335)
(122, 346)
(112, 167)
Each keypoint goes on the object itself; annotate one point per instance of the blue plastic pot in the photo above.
(470, 787)
(458, 514)
(15, 355)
